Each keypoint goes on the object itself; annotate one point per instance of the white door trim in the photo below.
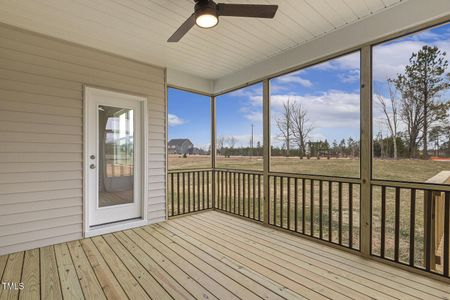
(91, 231)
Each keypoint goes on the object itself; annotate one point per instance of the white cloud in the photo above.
(174, 120)
(331, 109)
(294, 78)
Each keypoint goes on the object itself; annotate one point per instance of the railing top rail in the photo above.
(188, 170)
(317, 177)
(256, 172)
(412, 185)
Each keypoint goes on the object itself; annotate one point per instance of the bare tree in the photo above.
(220, 144)
(301, 127)
(231, 141)
(391, 113)
(284, 124)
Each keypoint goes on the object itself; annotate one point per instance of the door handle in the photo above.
(92, 166)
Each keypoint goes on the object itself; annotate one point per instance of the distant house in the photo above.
(180, 146)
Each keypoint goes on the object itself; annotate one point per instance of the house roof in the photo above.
(178, 142)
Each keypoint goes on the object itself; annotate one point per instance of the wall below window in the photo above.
(41, 126)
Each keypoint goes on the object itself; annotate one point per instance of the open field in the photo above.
(404, 170)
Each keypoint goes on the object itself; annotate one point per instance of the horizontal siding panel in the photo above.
(40, 147)
(40, 79)
(10, 188)
(92, 75)
(157, 206)
(156, 178)
(24, 126)
(40, 137)
(157, 196)
(37, 243)
(40, 196)
(80, 55)
(156, 186)
(39, 167)
(157, 214)
(45, 224)
(38, 89)
(156, 220)
(40, 215)
(40, 157)
(25, 97)
(16, 208)
(40, 109)
(41, 234)
(39, 176)
(39, 118)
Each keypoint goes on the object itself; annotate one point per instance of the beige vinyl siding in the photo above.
(41, 134)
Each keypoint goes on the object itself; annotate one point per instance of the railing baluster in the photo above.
(189, 191)
(340, 212)
(248, 195)
(296, 204)
(203, 190)
(239, 194)
(311, 208)
(275, 200)
(320, 208)
(428, 229)
(350, 215)
(222, 191)
(383, 220)
(289, 203)
(259, 197)
(184, 193)
(243, 194)
(330, 211)
(303, 205)
(268, 201)
(178, 193)
(207, 189)
(172, 194)
(446, 233)
(234, 192)
(412, 227)
(281, 201)
(254, 196)
(397, 224)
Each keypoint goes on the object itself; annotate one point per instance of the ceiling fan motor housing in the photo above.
(205, 7)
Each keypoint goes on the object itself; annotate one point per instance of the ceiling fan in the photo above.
(207, 12)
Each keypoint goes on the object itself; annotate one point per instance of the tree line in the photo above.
(415, 110)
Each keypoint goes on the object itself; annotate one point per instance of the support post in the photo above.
(266, 147)
(366, 149)
(213, 151)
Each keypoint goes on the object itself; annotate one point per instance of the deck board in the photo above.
(210, 255)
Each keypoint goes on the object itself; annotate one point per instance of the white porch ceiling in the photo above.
(138, 29)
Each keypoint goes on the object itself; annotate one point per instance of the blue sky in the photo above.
(328, 91)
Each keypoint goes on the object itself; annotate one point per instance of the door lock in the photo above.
(92, 156)
(92, 166)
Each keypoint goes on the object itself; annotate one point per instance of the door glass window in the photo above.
(116, 155)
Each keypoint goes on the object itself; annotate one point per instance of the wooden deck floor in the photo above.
(206, 256)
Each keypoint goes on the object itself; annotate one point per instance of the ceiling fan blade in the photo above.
(183, 29)
(247, 10)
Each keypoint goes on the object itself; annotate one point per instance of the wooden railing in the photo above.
(411, 226)
(240, 192)
(320, 207)
(410, 223)
(189, 191)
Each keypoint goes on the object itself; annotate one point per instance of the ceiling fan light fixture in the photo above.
(206, 18)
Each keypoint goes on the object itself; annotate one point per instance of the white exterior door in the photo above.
(114, 156)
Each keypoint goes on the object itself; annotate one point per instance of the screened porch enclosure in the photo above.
(361, 194)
